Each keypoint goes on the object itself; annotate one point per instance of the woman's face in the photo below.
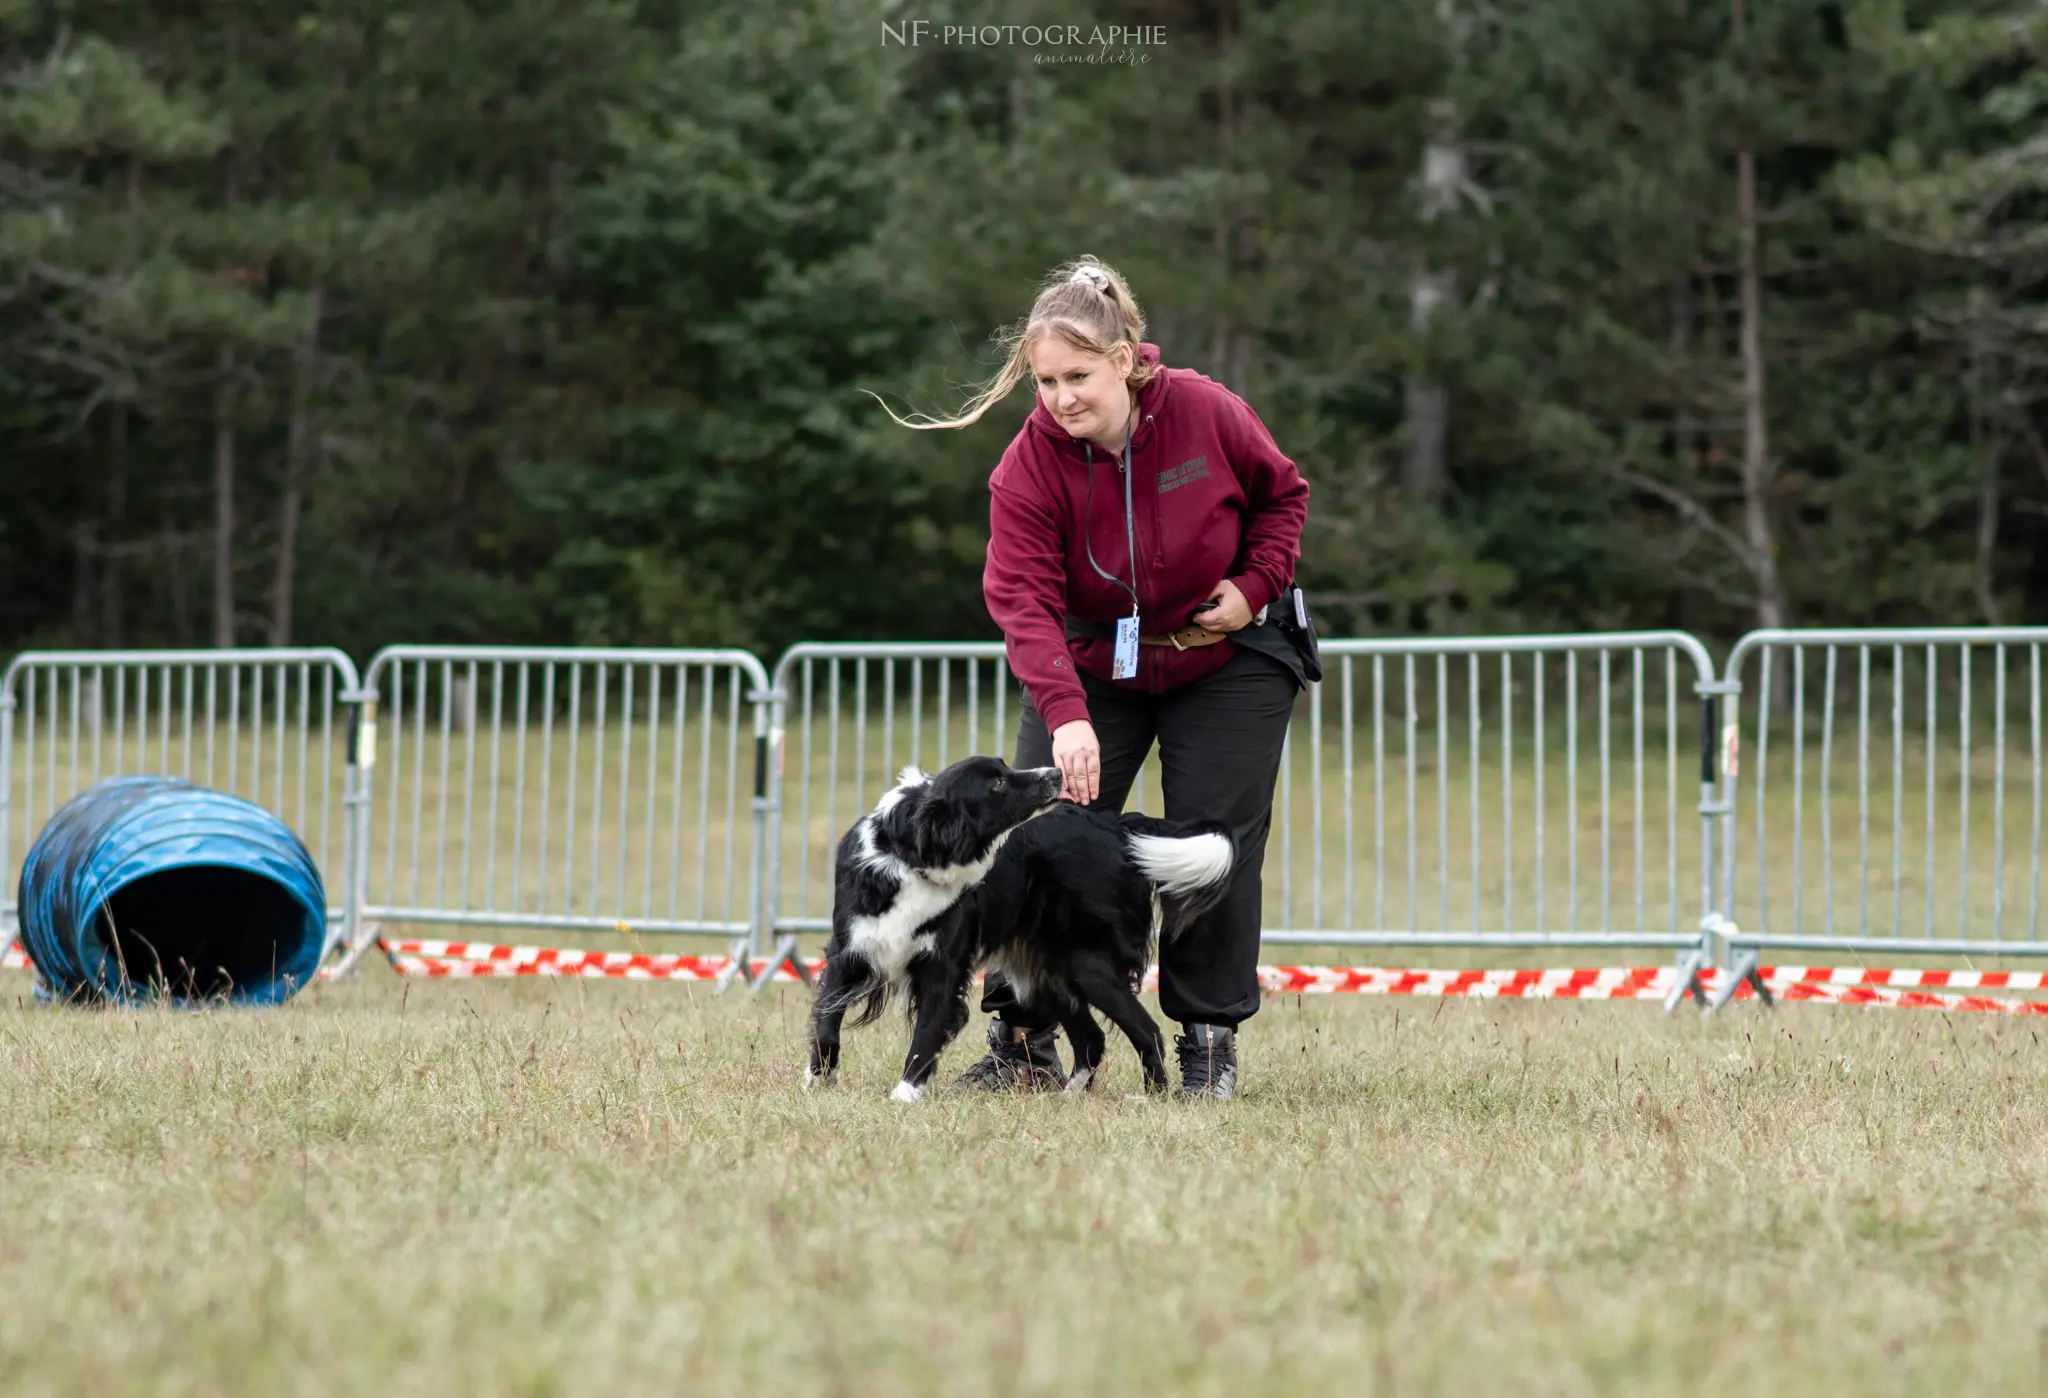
(1085, 393)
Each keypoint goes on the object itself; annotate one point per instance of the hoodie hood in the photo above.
(1151, 402)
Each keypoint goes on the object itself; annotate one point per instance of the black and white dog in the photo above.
(984, 866)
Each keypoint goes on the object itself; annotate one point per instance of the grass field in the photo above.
(530, 1188)
(586, 1188)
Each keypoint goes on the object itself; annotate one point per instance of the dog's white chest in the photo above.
(889, 939)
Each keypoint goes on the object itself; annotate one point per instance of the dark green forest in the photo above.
(527, 322)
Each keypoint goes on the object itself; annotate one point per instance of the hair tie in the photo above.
(1091, 276)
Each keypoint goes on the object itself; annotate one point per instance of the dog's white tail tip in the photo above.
(1183, 864)
(905, 1092)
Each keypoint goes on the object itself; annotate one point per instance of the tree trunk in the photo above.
(224, 500)
(224, 453)
(297, 448)
(1242, 343)
(113, 587)
(1987, 540)
(1685, 427)
(84, 546)
(181, 592)
(1757, 473)
(1222, 332)
(113, 609)
(1984, 442)
(1426, 404)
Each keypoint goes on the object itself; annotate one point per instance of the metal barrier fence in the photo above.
(1504, 792)
(269, 725)
(860, 710)
(1537, 796)
(567, 789)
(1546, 791)
(1883, 812)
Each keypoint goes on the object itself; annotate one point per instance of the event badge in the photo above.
(1125, 665)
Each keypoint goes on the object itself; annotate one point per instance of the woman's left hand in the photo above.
(1230, 612)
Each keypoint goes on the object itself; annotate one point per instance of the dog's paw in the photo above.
(815, 1079)
(1080, 1082)
(905, 1092)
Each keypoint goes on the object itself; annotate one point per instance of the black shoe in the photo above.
(1208, 1060)
(1018, 1060)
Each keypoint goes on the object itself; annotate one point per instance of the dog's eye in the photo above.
(1000, 783)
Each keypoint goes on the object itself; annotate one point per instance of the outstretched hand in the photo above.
(1077, 752)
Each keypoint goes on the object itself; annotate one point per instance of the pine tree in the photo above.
(112, 277)
(732, 489)
(1959, 193)
(1686, 337)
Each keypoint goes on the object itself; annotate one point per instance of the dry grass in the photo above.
(576, 1188)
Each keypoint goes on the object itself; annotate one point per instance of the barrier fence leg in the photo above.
(1717, 804)
(739, 953)
(1693, 963)
(785, 946)
(737, 957)
(356, 933)
(1744, 968)
(785, 954)
(768, 843)
(1691, 966)
(766, 873)
(351, 832)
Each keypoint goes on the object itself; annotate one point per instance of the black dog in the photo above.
(983, 865)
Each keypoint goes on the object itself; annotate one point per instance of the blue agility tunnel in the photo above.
(142, 886)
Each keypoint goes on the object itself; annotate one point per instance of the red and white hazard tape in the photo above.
(1609, 983)
(1827, 985)
(469, 960)
(1888, 987)
(474, 960)
(1902, 979)
(1828, 994)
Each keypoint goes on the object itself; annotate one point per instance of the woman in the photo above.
(1140, 524)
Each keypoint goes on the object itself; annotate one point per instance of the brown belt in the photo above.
(1187, 638)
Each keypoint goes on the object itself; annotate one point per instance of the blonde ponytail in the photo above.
(1084, 303)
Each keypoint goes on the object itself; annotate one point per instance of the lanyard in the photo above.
(1130, 523)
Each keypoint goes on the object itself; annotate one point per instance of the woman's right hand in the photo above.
(1078, 755)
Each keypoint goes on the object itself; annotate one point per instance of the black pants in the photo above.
(1219, 756)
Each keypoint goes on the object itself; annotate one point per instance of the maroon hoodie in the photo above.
(1211, 498)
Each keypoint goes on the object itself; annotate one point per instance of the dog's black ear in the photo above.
(896, 828)
(942, 833)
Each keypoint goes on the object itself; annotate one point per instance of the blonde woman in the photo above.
(1143, 534)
